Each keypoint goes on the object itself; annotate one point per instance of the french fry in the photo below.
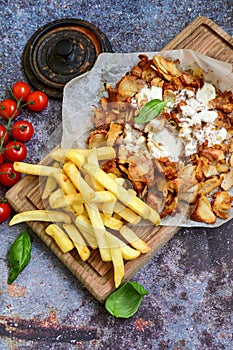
(78, 208)
(59, 154)
(94, 184)
(36, 169)
(54, 197)
(57, 196)
(120, 180)
(132, 191)
(131, 237)
(103, 153)
(68, 199)
(60, 237)
(63, 154)
(40, 215)
(73, 173)
(117, 259)
(129, 199)
(99, 230)
(127, 214)
(116, 216)
(127, 252)
(78, 241)
(50, 184)
(65, 183)
(111, 222)
(108, 207)
(68, 188)
(113, 176)
(85, 227)
(76, 157)
(103, 197)
(97, 200)
(92, 158)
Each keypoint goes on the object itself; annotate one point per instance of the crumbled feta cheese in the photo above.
(188, 111)
(190, 147)
(221, 135)
(192, 102)
(188, 93)
(185, 132)
(149, 93)
(195, 121)
(214, 137)
(200, 136)
(206, 93)
(194, 114)
(207, 116)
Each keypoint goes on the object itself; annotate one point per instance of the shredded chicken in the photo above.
(201, 178)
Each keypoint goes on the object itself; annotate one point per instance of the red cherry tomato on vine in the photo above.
(8, 109)
(22, 130)
(3, 133)
(1, 159)
(5, 210)
(15, 151)
(37, 101)
(21, 90)
(8, 175)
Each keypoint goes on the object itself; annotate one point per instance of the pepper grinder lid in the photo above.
(60, 51)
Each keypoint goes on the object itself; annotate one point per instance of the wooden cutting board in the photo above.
(202, 35)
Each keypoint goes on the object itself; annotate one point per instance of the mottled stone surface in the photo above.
(189, 306)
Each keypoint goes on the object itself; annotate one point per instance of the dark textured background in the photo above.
(190, 280)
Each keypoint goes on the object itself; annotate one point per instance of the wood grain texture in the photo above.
(202, 35)
(206, 37)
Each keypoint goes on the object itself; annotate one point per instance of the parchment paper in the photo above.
(82, 93)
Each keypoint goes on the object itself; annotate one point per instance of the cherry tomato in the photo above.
(5, 210)
(1, 159)
(21, 90)
(37, 101)
(15, 151)
(8, 109)
(22, 130)
(8, 175)
(3, 133)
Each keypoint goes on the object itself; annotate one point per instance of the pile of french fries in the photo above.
(88, 208)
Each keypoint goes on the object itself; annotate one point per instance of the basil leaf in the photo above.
(125, 301)
(19, 255)
(151, 110)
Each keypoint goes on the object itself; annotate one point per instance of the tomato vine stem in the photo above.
(8, 127)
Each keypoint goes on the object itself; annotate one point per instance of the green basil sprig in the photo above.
(151, 110)
(19, 255)
(125, 301)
